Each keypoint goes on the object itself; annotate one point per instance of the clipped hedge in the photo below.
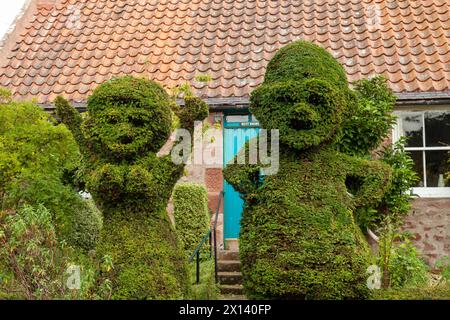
(128, 121)
(192, 218)
(299, 239)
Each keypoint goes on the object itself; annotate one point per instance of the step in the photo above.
(228, 255)
(229, 265)
(230, 277)
(231, 289)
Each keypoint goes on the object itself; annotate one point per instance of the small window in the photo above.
(428, 144)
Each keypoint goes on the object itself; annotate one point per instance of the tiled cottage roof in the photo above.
(73, 46)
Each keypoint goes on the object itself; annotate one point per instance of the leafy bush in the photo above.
(33, 263)
(191, 212)
(35, 155)
(128, 121)
(298, 235)
(372, 119)
(407, 269)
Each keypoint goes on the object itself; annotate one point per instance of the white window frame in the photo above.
(423, 192)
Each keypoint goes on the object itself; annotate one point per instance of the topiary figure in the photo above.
(298, 235)
(129, 119)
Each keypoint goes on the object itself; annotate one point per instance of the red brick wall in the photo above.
(429, 221)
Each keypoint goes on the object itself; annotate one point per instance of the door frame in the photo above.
(250, 123)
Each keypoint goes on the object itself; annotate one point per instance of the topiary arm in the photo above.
(194, 109)
(366, 180)
(71, 118)
(245, 178)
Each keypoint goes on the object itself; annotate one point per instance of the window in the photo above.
(428, 144)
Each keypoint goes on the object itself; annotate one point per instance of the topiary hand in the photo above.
(194, 109)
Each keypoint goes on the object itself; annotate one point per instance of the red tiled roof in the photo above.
(71, 48)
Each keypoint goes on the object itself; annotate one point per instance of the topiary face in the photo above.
(128, 117)
(303, 95)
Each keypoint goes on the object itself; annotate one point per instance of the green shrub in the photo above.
(207, 289)
(372, 119)
(298, 235)
(35, 155)
(128, 121)
(407, 269)
(33, 263)
(192, 220)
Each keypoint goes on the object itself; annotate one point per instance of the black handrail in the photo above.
(212, 232)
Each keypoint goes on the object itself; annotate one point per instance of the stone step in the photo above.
(228, 255)
(231, 290)
(229, 265)
(230, 277)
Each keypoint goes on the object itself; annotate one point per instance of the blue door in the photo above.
(238, 129)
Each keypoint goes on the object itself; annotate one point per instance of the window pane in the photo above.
(417, 156)
(437, 128)
(412, 127)
(437, 168)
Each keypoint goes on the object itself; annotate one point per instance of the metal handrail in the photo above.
(212, 232)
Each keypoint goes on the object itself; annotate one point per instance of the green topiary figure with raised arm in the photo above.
(298, 236)
(128, 121)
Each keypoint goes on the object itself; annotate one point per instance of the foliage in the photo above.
(443, 264)
(362, 133)
(5, 96)
(372, 119)
(398, 258)
(127, 117)
(146, 260)
(128, 121)
(192, 219)
(33, 263)
(207, 289)
(407, 269)
(302, 60)
(298, 235)
(35, 155)
(396, 202)
(440, 292)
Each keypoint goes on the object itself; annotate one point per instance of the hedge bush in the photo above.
(128, 121)
(298, 235)
(192, 218)
(35, 155)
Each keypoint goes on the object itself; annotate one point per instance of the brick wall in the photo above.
(429, 221)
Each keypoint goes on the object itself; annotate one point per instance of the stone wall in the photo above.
(429, 221)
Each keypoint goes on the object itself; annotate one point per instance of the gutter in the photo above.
(242, 103)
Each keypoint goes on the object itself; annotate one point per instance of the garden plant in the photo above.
(128, 121)
(299, 238)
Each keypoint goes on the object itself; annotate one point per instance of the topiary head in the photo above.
(128, 117)
(303, 95)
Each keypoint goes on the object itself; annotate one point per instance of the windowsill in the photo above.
(432, 192)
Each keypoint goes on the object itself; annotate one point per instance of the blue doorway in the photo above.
(238, 129)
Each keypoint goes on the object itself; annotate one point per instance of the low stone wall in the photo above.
(429, 221)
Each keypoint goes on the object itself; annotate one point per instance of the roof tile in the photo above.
(79, 44)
